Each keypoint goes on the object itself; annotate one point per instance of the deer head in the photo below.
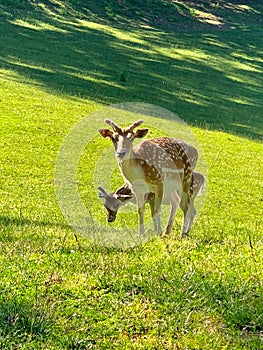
(113, 201)
(123, 138)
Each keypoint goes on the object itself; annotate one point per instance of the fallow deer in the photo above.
(123, 195)
(162, 166)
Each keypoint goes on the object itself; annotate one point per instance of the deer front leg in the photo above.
(151, 202)
(156, 211)
(141, 210)
(141, 219)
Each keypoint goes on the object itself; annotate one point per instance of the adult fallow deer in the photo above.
(123, 195)
(162, 166)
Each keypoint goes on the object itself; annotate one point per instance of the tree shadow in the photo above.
(10, 227)
(6, 221)
(209, 78)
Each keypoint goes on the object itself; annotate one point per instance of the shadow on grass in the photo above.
(209, 78)
(8, 225)
(21, 221)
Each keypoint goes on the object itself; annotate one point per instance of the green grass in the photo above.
(60, 63)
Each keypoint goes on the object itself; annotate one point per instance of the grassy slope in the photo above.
(57, 67)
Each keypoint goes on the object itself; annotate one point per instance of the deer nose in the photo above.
(111, 218)
(121, 153)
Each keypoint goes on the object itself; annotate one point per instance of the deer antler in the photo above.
(134, 125)
(114, 126)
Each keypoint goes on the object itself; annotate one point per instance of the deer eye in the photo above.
(129, 135)
(115, 138)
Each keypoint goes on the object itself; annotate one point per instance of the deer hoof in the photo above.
(184, 235)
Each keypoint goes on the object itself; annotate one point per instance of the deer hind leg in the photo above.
(196, 186)
(175, 200)
(185, 205)
(191, 214)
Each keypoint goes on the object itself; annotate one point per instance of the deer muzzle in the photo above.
(111, 215)
(121, 154)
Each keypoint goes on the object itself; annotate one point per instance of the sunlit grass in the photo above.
(61, 291)
(37, 25)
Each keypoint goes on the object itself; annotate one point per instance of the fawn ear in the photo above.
(124, 197)
(102, 192)
(141, 133)
(105, 133)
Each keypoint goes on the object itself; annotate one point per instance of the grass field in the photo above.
(61, 62)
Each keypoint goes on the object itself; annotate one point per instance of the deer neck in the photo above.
(130, 168)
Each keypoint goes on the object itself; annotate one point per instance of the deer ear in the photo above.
(124, 197)
(105, 133)
(141, 133)
(102, 193)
